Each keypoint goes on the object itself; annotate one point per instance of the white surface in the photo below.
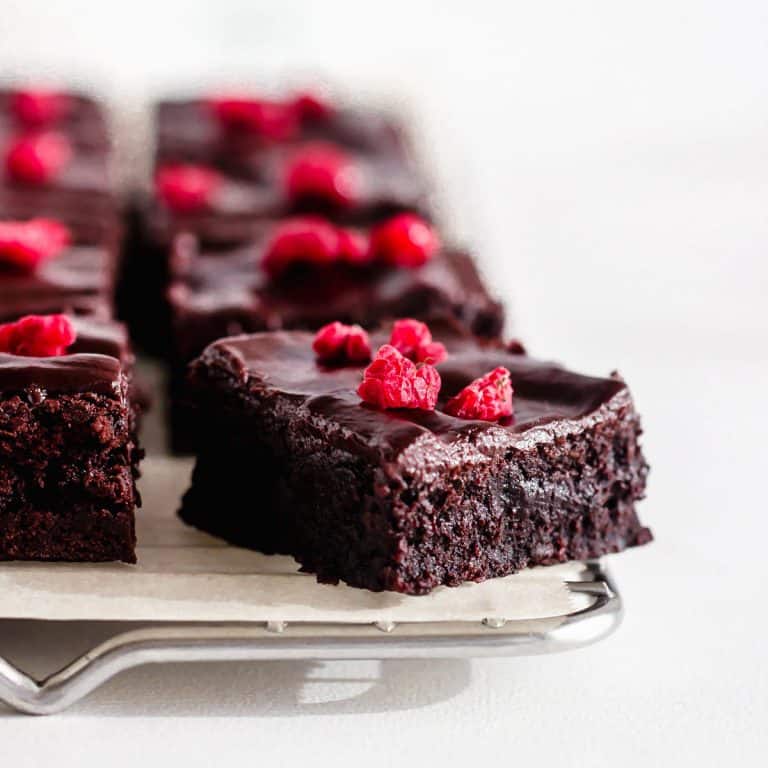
(614, 155)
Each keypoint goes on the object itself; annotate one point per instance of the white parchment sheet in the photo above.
(184, 575)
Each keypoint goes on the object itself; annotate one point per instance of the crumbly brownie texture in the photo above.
(291, 461)
(68, 459)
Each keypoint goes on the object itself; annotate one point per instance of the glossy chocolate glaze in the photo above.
(96, 362)
(189, 131)
(225, 289)
(82, 121)
(81, 194)
(548, 400)
(103, 337)
(79, 280)
(387, 186)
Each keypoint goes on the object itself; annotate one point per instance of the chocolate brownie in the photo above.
(68, 451)
(290, 460)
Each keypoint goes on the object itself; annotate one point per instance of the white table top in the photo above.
(610, 162)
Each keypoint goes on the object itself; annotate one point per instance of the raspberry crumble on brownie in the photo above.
(396, 474)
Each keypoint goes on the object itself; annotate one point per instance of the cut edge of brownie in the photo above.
(68, 461)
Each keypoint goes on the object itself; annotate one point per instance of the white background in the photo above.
(609, 162)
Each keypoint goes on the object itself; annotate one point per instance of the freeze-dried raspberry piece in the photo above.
(36, 158)
(354, 247)
(37, 336)
(339, 343)
(405, 240)
(322, 171)
(37, 107)
(394, 381)
(24, 244)
(187, 188)
(307, 240)
(311, 105)
(414, 340)
(275, 120)
(487, 398)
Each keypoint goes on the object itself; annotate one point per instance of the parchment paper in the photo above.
(183, 575)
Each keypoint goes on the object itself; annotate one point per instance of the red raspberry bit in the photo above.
(414, 340)
(233, 112)
(36, 158)
(488, 398)
(273, 120)
(339, 343)
(321, 171)
(187, 188)
(354, 247)
(312, 106)
(37, 336)
(308, 240)
(405, 240)
(394, 381)
(24, 244)
(37, 108)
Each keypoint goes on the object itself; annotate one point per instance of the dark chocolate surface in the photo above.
(100, 354)
(188, 130)
(86, 173)
(387, 186)
(546, 395)
(93, 219)
(68, 373)
(78, 280)
(228, 288)
(82, 120)
(81, 193)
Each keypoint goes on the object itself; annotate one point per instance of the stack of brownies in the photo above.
(335, 365)
(68, 408)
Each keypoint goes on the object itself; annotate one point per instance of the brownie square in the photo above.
(68, 451)
(290, 460)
